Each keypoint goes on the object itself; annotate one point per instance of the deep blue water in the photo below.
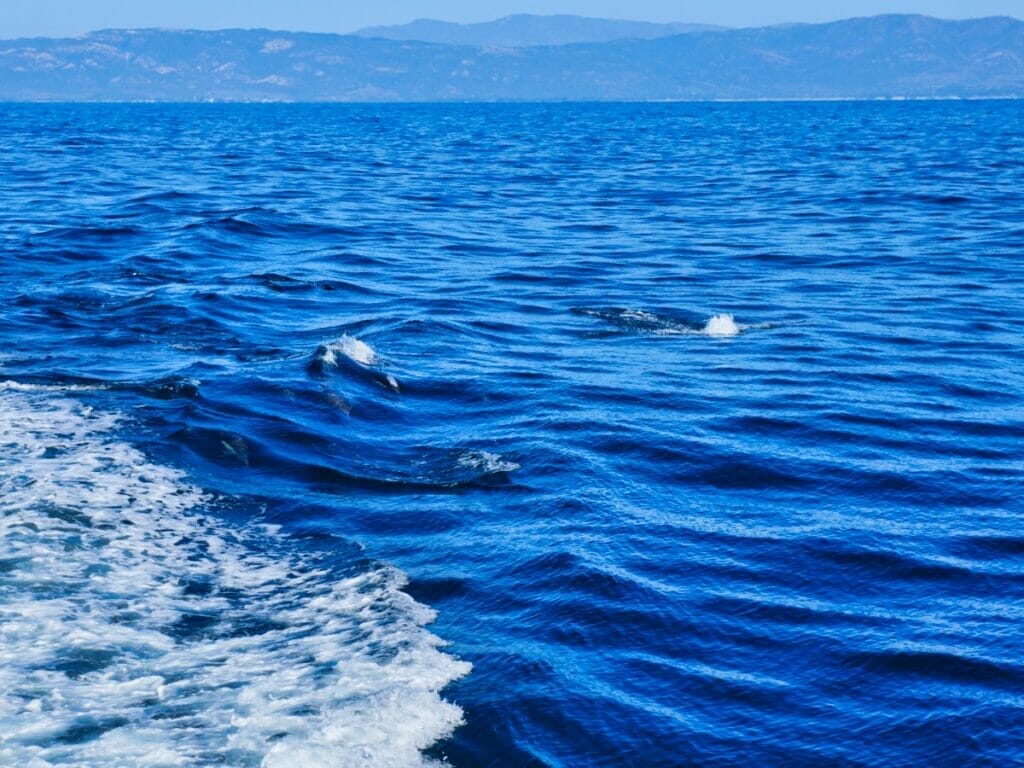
(259, 361)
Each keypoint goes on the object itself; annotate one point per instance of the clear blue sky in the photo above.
(20, 18)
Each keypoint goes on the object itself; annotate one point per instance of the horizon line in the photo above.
(506, 102)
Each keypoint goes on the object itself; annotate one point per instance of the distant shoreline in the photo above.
(880, 58)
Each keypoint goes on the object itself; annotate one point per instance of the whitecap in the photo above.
(721, 326)
(136, 628)
(348, 346)
(361, 353)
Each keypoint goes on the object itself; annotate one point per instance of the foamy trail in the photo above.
(642, 321)
(487, 462)
(136, 629)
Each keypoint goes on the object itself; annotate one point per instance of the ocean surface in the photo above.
(512, 435)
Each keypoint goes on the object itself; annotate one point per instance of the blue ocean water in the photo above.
(512, 435)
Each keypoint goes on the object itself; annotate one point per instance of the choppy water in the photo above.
(698, 426)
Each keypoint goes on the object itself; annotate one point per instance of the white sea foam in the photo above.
(137, 629)
(721, 325)
(352, 348)
(17, 386)
(490, 463)
(641, 316)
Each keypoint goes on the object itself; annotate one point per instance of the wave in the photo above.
(164, 388)
(642, 321)
(140, 629)
(355, 351)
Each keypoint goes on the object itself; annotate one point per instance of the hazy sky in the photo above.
(20, 18)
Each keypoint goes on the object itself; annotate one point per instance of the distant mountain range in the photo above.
(525, 30)
(879, 57)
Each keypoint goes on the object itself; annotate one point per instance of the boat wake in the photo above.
(137, 628)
